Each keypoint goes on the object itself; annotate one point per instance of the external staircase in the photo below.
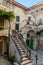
(25, 59)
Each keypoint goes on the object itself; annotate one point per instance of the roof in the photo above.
(18, 4)
(23, 7)
(36, 5)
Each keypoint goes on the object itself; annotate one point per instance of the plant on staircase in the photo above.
(12, 58)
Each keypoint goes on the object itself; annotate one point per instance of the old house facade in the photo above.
(27, 20)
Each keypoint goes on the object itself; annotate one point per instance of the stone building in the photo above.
(27, 20)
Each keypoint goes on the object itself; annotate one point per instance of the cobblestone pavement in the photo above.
(40, 57)
(4, 62)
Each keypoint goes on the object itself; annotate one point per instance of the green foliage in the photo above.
(12, 58)
(6, 15)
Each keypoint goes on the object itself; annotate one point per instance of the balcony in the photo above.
(3, 32)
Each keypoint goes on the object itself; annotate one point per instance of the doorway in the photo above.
(17, 27)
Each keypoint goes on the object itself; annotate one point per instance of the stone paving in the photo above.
(40, 57)
(4, 62)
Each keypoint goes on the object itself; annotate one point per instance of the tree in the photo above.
(8, 16)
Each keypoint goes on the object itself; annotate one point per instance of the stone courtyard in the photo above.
(4, 61)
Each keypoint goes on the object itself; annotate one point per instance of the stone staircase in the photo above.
(24, 56)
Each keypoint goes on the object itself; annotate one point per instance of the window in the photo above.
(7, 4)
(17, 18)
(29, 18)
(40, 22)
(4, 2)
(41, 8)
(31, 12)
(36, 10)
(13, 7)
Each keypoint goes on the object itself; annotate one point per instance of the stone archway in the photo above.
(41, 33)
(41, 40)
(3, 44)
(31, 32)
(29, 40)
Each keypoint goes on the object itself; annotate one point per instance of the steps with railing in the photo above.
(23, 50)
(13, 41)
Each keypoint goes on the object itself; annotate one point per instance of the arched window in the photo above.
(40, 22)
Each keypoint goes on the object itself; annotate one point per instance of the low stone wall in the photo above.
(41, 46)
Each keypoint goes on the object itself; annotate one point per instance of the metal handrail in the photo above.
(16, 47)
(24, 43)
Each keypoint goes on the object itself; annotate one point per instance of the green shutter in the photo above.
(29, 18)
(27, 42)
(31, 44)
(17, 27)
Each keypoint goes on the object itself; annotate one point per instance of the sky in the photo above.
(28, 3)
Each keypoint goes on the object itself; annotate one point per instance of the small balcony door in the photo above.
(17, 27)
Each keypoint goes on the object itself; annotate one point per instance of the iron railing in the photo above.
(14, 41)
(25, 45)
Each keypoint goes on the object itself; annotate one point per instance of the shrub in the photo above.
(12, 58)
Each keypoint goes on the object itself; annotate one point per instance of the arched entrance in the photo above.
(41, 40)
(3, 48)
(29, 40)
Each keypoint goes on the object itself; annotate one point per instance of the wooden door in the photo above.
(17, 27)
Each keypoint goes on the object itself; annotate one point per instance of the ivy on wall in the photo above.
(6, 15)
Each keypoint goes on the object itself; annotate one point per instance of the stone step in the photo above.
(22, 50)
(26, 62)
(24, 56)
(24, 59)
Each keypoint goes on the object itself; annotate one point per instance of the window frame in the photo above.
(29, 18)
(17, 19)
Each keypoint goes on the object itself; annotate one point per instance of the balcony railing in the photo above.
(4, 31)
